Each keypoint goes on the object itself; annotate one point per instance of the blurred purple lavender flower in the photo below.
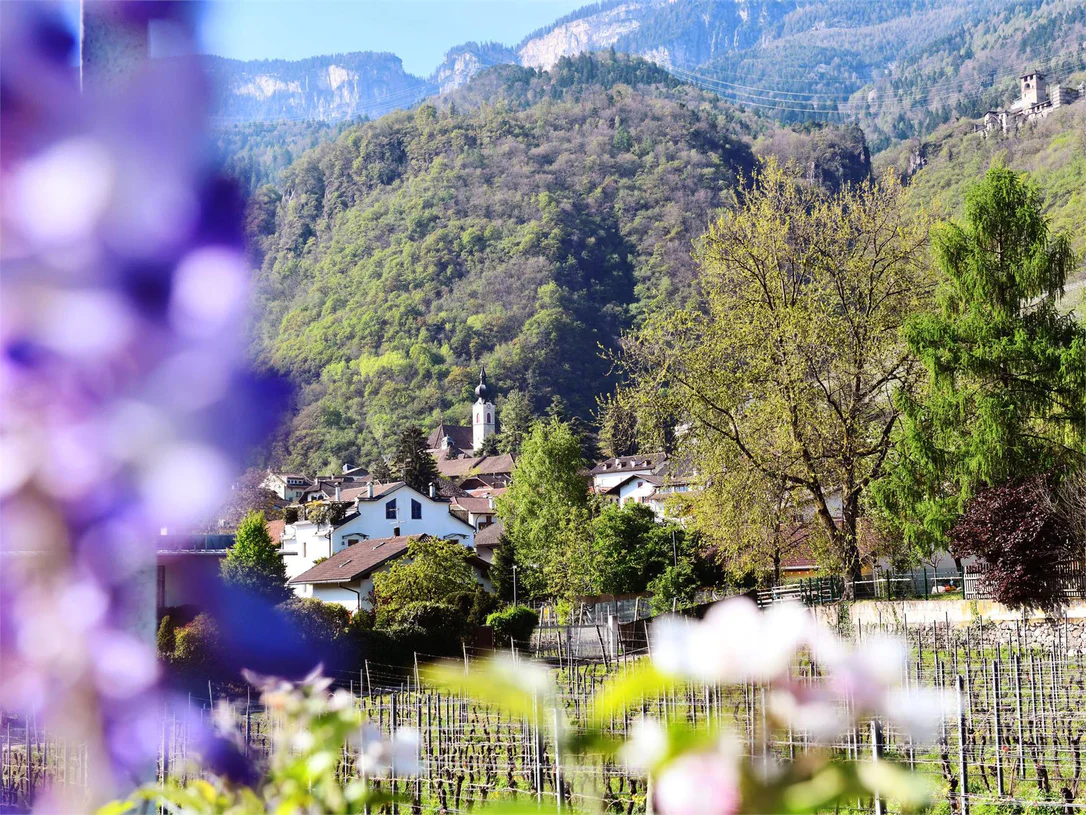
(125, 399)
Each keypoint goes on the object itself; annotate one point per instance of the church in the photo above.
(458, 449)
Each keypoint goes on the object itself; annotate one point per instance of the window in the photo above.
(488, 418)
(416, 510)
(390, 510)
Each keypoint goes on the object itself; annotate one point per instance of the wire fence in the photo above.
(1015, 740)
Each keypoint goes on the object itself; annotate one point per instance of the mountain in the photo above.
(899, 68)
(521, 224)
(327, 88)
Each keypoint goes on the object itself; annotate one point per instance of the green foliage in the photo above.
(632, 548)
(166, 639)
(547, 513)
(326, 513)
(254, 564)
(514, 624)
(781, 370)
(482, 605)
(195, 645)
(316, 621)
(673, 588)
(618, 428)
(1052, 151)
(501, 569)
(432, 571)
(507, 233)
(411, 462)
(1005, 396)
(515, 418)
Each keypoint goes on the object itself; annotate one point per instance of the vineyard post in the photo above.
(996, 729)
(557, 760)
(369, 686)
(963, 778)
(393, 723)
(1018, 713)
(876, 756)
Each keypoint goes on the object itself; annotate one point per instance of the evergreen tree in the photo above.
(501, 570)
(254, 564)
(515, 419)
(412, 462)
(381, 471)
(1006, 391)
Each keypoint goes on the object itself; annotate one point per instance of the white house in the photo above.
(380, 511)
(613, 471)
(346, 578)
(288, 486)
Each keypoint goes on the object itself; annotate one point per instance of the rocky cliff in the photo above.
(330, 88)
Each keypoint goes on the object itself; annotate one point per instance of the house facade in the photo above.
(378, 511)
(346, 578)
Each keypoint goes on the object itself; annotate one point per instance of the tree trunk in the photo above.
(845, 541)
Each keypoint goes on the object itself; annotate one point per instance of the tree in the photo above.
(618, 428)
(1005, 395)
(675, 587)
(501, 569)
(246, 495)
(254, 564)
(515, 419)
(432, 571)
(1016, 530)
(781, 370)
(548, 514)
(381, 471)
(412, 462)
(489, 447)
(632, 548)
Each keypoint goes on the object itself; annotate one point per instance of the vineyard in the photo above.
(1012, 741)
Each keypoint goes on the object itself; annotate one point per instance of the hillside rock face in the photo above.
(330, 88)
(590, 33)
(465, 61)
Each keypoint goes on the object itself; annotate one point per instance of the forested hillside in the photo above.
(524, 233)
(1052, 150)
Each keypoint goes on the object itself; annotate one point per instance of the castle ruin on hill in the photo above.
(1037, 100)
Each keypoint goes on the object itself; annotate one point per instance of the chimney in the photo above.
(346, 468)
(433, 490)
(490, 502)
(337, 492)
(369, 489)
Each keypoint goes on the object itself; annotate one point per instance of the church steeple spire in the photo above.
(481, 390)
(483, 418)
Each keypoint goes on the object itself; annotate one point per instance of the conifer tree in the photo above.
(412, 462)
(1005, 397)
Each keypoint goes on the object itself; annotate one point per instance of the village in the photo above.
(655, 408)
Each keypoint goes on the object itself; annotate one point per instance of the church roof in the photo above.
(461, 436)
(483, 465)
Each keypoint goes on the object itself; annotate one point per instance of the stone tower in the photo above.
(1034, 90)
(483, 414)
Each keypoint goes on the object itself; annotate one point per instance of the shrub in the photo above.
(482, 606)
(316, 621)
(195, 645)
(166, 641)
(515, 623)
(290, 515)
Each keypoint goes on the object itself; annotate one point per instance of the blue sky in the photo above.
(418, 31)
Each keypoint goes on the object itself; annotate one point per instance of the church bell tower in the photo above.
(483, 417)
